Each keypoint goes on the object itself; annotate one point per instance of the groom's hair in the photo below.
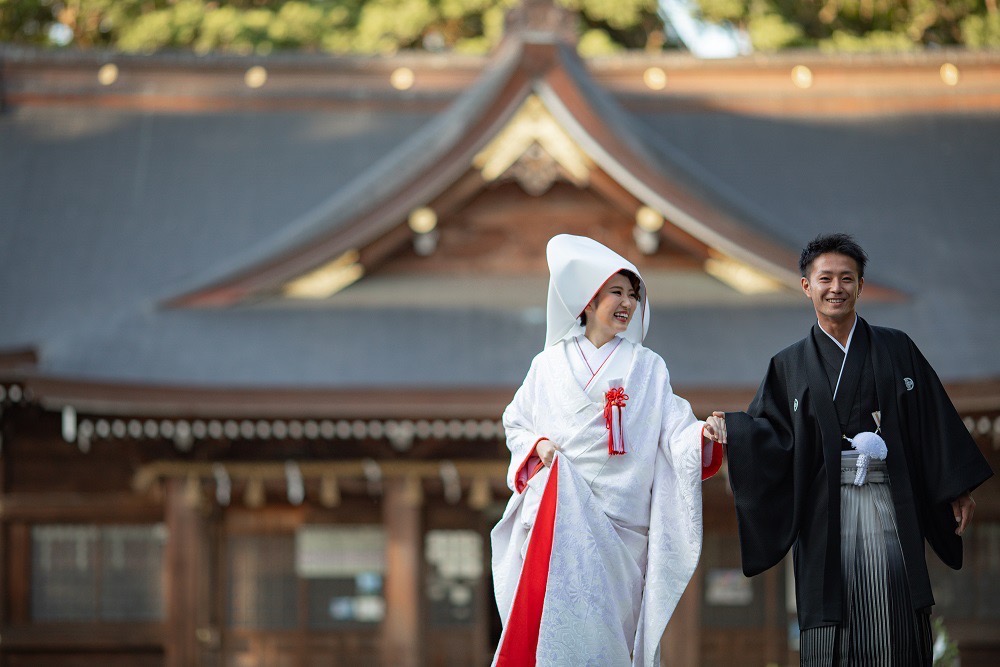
(843, 244)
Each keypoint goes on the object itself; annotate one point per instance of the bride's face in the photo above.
(612, 308)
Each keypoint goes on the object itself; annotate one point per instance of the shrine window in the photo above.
(454, 569)
(319, 577)
(88, 573)
(972, 593)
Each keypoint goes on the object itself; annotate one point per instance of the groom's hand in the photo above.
(715, 427)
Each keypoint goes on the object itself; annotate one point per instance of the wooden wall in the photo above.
(46, 480)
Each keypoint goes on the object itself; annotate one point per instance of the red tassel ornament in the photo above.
(614, 403)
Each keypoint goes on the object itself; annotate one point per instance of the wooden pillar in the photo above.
(7, 577)
(17, 572)
(681, 643)
(188, 569)
(402, 518)
(775, 632)
(5, 574)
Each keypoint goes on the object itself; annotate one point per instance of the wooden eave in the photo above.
(180, 401)
(179, 83)
(18, 359)
(764, 84)
(971, 398)
(759, 83)
(975, 396)
(125, 399)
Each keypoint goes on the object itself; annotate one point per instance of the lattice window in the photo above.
(455, 567)
(262, 590)
(97, 573)
(322, 577)
(974, 591)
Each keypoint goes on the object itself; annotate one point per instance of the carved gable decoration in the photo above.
(533, 150)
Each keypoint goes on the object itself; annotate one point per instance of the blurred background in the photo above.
(271, 271)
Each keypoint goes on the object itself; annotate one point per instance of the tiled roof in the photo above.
(108, 211)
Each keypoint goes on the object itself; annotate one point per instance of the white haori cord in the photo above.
(870, 446)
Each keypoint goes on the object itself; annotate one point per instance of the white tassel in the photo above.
(870, 446)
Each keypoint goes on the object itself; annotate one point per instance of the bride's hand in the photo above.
(715, 427)
(546, 450)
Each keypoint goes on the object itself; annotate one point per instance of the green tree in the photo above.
(358, 26)
(475, 26)
(25, 21)
(861, 25)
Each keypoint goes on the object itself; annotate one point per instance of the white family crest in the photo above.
(795, 405)
(909, 383)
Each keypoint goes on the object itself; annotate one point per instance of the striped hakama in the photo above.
(880, 628)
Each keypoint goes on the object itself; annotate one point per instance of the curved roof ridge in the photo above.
(386, 176)
(694, 181)
(694, 174)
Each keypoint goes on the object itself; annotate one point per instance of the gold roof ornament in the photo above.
(741, 277)
(328, 279)
(534, 150)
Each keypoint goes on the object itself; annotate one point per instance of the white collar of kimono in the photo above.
(578, 267)
(850, 336)
(844, 349)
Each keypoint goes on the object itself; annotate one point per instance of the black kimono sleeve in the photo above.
(762, 457)
(943, 458)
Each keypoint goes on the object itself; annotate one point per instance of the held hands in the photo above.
(715, 427)
(546, 450)
(963, 508)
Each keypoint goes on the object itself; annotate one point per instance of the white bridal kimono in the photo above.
(592, 554)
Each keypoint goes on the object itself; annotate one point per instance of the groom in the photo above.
(857, 536)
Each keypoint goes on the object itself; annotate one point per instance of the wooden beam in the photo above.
(145, 400)
(840, 84)
(44, 507)
(976, 396)
(197, 401)
(147, 475)
(216, 82)
(79, 638)
(15, 359)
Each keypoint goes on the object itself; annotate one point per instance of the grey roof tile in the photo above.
(106, 212)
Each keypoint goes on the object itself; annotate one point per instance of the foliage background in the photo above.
(475, 26)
